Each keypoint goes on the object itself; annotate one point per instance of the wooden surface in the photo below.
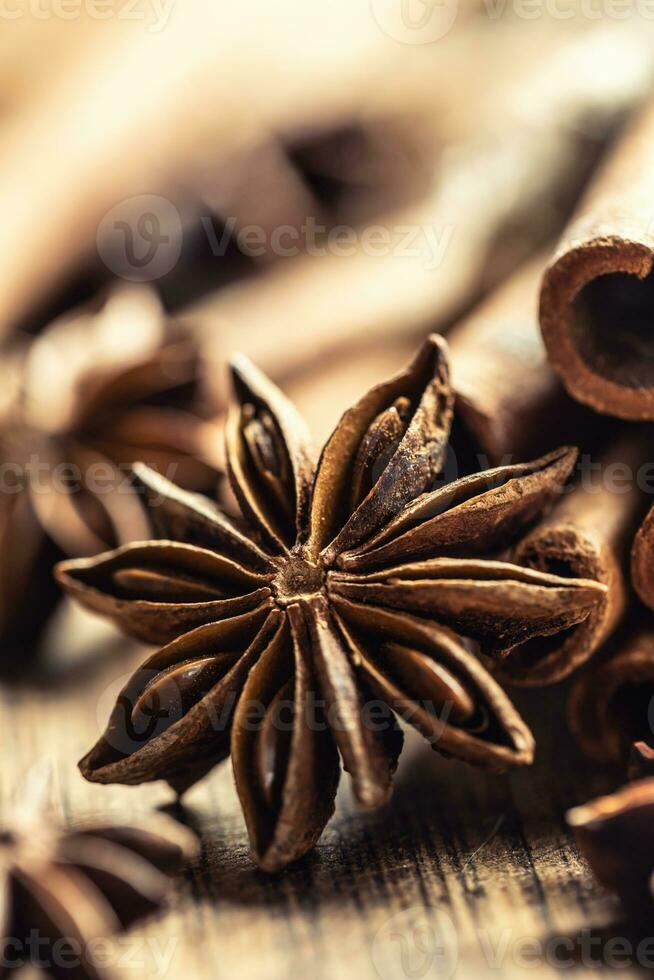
(452, 878)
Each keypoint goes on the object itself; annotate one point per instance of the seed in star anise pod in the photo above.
(64, 891)
(91, 394)
(333, 612)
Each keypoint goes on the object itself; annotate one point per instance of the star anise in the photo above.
(336, 604)
(94, 392)
(61, 890)
(616, 838)
(641, 760)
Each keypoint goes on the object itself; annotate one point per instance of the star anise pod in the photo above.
(340, 596)
(63, 890)
(94, 392)
(641, 760)
(616, 836)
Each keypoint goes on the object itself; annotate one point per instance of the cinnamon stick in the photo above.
(491, 183)
(597, 295)
(610, 706)
(588, 535)
(510, 404)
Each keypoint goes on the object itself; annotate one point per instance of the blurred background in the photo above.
(317, 185)
(298, 179)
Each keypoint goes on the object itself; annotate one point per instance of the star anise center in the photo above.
(297, 578)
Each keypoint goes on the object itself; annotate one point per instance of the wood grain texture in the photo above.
(452, 878)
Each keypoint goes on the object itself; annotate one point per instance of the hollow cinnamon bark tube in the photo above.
(612, 704)
(597, 294)
(510, 404)
(587, 535)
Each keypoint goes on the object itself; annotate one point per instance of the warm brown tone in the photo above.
(510, 402)
(75, 887)
(347, 586)
(597, 293)
(616, 836)
(93, 393)
(642, 560)
(610, 703)
(641, 760)
(503, 192)
(454, 844)
(588, 536)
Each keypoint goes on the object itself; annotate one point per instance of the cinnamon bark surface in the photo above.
(510, 404)
(501, 192)
(597, 294)
(588, 534)
(611, 705)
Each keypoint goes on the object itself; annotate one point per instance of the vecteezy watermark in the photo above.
(67, 953)
(428, 21)
(422, 941)
(426, 243)
(104, 477)
(588, 949)
(145, 705)
(100, 477)
(592, 10)
(415, 21)
(140, 239)
(414, 943)
(153, 14)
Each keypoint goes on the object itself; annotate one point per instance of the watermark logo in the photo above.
(153, 14)
(415, 21)
(140, 239)
(417, 942)
(69, 955)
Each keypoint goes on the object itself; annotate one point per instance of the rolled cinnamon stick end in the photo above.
(510, 403)
(587, 535)
(598, 292)
(611, 706)
(642, 561)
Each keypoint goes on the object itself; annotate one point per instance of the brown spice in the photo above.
(615, 836)
(72, 888)
(641, 760)
(345, 587)
(93, 393)
(502, 191)
(611, 703)
(595, 307)
(588, 535)
(510, 403)
(642, 560)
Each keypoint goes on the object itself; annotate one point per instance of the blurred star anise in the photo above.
(615, 835)
(91, 394)
(298, 639)
(63, 890)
